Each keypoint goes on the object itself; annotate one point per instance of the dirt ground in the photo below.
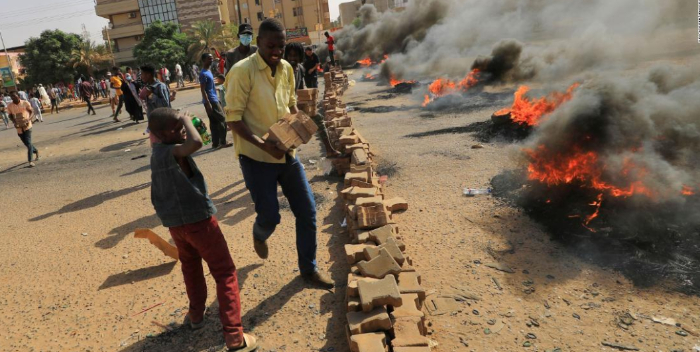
(73, 278)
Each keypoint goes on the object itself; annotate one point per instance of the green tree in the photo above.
(204, 35)
(162, 45)
(357, 22)
(47, 58)
(91, 57)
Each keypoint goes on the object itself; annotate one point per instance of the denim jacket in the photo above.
(178, 200)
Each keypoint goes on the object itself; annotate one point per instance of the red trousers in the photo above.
(204, 240)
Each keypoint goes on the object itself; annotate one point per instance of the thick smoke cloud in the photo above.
(434, 38)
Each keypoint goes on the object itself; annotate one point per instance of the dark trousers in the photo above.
(54, 104)
(119, 106)
(217, 124)
(204, 241)
(261, 179)
(89, 105)
(332, 55)
(26, 138)
(311, 80)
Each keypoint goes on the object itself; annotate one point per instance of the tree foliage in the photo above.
(204, 35)
(162, 45)
(91, 57)
(47, 58)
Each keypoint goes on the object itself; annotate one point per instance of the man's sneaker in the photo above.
(194, 326)
(31, 164)
(260, 248)
(319, 279)
(250, 344)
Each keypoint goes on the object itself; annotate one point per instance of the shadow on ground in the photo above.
(92, 201)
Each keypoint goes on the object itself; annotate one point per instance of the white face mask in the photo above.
(246, 39)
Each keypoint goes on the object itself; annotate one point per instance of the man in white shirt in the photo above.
(178, 76)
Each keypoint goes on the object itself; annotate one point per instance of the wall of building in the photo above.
(285, 11)
(191, 11)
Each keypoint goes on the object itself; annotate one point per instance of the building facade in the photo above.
(305, 20)
(129, 18)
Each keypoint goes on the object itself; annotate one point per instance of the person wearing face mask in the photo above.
(245, 35)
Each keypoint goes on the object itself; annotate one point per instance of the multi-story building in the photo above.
(349, 11)
(129, 18)
(305, 20)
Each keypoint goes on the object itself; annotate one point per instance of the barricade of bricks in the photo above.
(384, 296)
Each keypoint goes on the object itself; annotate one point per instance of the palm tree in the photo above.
(205, 34)
(90, 56)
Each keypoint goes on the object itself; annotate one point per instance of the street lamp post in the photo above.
(9, 60)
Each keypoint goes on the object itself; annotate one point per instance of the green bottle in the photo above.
(197, 123)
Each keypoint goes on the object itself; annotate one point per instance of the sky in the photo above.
(20, 20)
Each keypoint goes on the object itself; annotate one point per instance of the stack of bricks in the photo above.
(384, 296)
(307, 100)
(292, 131)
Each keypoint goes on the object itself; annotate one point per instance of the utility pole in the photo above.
(109, 44)
(238, 7)
(9, 61)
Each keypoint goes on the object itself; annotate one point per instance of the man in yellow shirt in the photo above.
(116, 84)
(260, 91)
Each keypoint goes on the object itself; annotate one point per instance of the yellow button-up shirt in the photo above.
(259, 100)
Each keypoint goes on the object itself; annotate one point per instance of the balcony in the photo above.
(104, 8)
(125, 55)
(124, 31)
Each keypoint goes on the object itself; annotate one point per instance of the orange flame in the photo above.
(583, 167)
(443, 86)
(369, 77)
(687, 191)
(365, 62)
(394, 82)
(526, 111)
(426, 101)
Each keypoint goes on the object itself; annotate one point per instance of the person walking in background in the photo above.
(36, 107)
(20, 112)
(182, 203)
(220, 62)
(217, 119)
(259, 92)
(244, 49)
(54, 99)
(330, 41)
(134, 105)
(178, 76)
(154, 93)
(103, 88)
(165, 76)
(116, 83)
(311, 65)
(86, 93)
(294, 54)
(3, 111)
(43, 96)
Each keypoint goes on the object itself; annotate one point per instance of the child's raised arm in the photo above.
(193, 141)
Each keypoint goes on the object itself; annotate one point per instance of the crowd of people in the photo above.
(246, 90)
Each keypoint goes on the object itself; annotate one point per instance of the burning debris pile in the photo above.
(617, 164)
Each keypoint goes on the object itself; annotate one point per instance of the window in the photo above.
(158, 10)
(257, 2)
(132, 14)
(298, 11)
(138, 38)
(260, 16)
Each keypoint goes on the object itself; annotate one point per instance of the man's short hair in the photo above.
(115, 68)
(270, 25)
(221, 76)
(205, 55)
(326, 34)
(148, 68)
(308, 48)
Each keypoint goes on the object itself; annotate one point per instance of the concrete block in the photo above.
(380, 266)
(376, 293)
(371, 252)
(371, 342)
(407, 332)
(355, 252)
(396, 204)
(410, 282)
(374, 321)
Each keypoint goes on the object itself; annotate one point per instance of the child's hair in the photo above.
(161, 119)
(148, 68)
(221, 76)
(298, 47)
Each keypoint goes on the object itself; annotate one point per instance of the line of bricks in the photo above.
(384, 295)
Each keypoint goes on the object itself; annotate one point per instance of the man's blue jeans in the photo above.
(261, 179)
